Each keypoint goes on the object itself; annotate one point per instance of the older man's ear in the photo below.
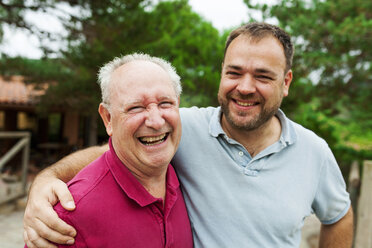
(106, 117)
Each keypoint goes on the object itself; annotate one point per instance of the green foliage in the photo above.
(332, 89)
(335, 133)
(194, 48)
(318, 121)
(330, 94)
(35, 70)
(13, 12)
(110, 28)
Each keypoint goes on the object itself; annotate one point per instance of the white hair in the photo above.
(106, 71)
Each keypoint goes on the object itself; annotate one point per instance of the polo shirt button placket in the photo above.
(160, 219)
(163, 229)
(241, 159)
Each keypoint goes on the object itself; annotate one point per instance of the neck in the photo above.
(255, 140)
(154, 184)
(153, 179)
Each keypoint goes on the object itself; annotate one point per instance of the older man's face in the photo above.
(144, 120)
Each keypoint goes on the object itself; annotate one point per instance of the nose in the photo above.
(154, 118)
(246, 85)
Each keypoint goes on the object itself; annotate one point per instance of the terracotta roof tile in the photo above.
(14, 91)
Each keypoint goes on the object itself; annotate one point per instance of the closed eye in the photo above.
(135, 109)
(166, 104)
(234, 73)
(264, 77)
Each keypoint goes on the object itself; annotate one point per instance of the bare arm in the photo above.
(40, 221)
(339, 234)
(66, 168)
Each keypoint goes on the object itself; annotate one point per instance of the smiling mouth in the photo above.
(154, 140)
(246, 104)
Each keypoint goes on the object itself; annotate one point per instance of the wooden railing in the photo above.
(16, 189)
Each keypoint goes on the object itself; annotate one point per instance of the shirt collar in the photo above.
(130, 185)
(215, 127)
(288, 135)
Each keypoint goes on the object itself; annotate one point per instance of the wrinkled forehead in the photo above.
(139, 79)
(139, 69)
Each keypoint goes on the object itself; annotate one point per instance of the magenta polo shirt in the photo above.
(114, 210)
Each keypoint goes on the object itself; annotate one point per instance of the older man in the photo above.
(250, 176)
(130, 196)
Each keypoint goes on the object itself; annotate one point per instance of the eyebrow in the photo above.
(140, 101)
(129, 104)
(166, 97)
(258, 70)
(234, 67)
(134, 101)
(265, 71)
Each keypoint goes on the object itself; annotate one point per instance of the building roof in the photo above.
(15, 92)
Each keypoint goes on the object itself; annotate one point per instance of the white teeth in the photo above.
(153, 140)
(245, 104)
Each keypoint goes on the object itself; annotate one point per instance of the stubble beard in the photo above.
(254, 122)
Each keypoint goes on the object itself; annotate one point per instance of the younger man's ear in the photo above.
(287, 82)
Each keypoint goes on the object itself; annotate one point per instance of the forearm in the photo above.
(66, 168)
(41, 223)
(338, 235)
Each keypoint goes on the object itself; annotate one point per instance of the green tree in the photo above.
(169, 29)
(332, 64)
(13, 14)
(193, 46)
(108, 28)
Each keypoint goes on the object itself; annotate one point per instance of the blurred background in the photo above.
(50, 52)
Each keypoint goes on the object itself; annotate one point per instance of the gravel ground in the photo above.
(11, 226)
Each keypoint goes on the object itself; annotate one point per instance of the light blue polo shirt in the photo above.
(234, 200)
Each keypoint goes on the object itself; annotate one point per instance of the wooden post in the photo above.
(354, 183)
(71, 128)
(363, 237)
(353, 188)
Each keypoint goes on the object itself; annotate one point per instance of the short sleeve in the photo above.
(331, 201)
(67, 217)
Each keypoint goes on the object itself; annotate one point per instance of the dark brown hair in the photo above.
(256, 31)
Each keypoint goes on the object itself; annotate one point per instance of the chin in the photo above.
(160, 161)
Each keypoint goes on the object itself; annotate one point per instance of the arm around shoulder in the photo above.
(41, 223)
(66, 168)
